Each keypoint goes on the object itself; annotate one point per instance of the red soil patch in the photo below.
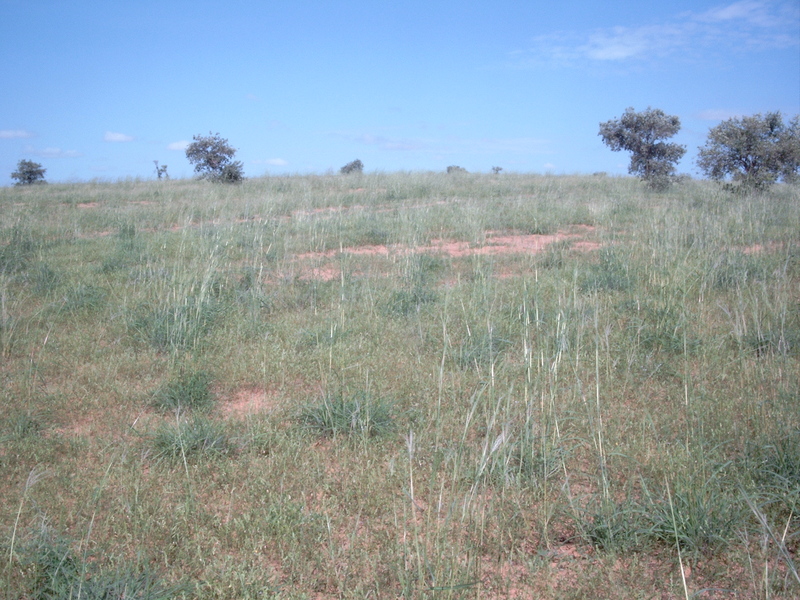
(88, 204)
(496, 243)
(249, 401)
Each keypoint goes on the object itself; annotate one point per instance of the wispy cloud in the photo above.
(718, 114)
(274, 162)
(181, 145)
(10, 134)
(450, 145)
(383, 142)
(112, 136)
(745, 25)
(53, 152)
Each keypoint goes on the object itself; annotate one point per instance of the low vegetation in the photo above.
(411, 386)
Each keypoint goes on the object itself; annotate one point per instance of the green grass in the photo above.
(288, 389)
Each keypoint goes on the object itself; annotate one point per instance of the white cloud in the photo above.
(757, 13)
(9, 134)
(718, 114)
(744, 25)
(181, 145)
(112, 136)
(54, 153)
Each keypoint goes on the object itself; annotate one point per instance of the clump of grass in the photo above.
(189, 390)
(191, 438)
(16, 252)
(481, 348)
(700, 516)
(406, 302)
(612, 274)
(44, 279)
(22, 425)
(83, 298)
(358, 414)
(662, 328)
(615, 526)
(176, 326)
(54, 571)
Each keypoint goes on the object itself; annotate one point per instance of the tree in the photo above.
(28, 173)
(355, 166)
(754, 152)
(161, 171)
(641, 134)
(212, 158)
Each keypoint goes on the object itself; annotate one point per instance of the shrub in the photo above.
(191, 438)
(754, 152)
(28, 173)
(352, 167)
(359, 414)
(212, 158)
(641, 134)
(189, 390)
(456, 169)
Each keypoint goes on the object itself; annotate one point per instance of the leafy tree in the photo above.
(456, 169)
(28, 172)
(754, 152)
(352, 167)
(212, 158)
(642, 135)
(161, 171)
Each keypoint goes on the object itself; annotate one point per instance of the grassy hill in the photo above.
(408, 385)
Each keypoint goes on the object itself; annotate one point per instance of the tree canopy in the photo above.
(28, 172)
(752, 152)
(212, 157)
(642, 134)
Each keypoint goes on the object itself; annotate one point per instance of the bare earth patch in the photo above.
(496, 243)
(249, 401)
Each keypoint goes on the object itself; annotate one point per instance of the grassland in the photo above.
(399, 385)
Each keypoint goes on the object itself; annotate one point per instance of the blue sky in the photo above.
(99, 89)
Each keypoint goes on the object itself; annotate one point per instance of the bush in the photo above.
(352, 167)
(212, 158)
(28, 173)
(640, 134)
(189, 390)
(456, 169)
(754, 152)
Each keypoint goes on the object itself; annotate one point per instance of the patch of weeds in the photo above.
(406, 302)
(17, 251)
(44, 279)
(189, 390)
(774, 467)
(83, 298)
(701, 516)
(320, 337)
(774, 338)
(481, 349)
(610, 525)
(20, 426)
(528, 460)
(612, 274)
(177, 326)
(357, 414)
(554, 255)
(658, 328)
(423, 269)
(737, 269)
(191, 438)
(54, 572)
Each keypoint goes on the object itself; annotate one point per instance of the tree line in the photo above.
(746, 153)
